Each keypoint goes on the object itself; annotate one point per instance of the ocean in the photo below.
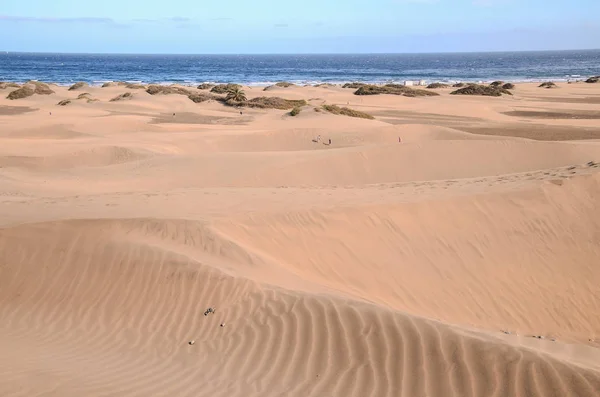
(65, 69)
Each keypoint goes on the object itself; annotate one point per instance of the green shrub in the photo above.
(295, 111)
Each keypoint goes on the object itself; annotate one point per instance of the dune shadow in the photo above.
(15, 110)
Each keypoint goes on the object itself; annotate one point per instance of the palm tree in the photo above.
(236, 94)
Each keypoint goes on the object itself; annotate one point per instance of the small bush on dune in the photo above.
(325, 85)
(548, 84)
(295, 111)
(508, 86)
(458, 85)
(594, 79)
(23, 92)
(205, 86)
(268, 103)
(393, 89)
(167, 90)
(110, 84)
(274, 103)
(134, 86)
(199, 98)
(87, 97)
(496, 83)
(482, 90)
(78, 85)
(40, 88)
(354, 85)
(281, 84)
(64, 102)
(284, 84)
(334, 109)
(437, 85)
(223, 88)
(122, 97)
(4, 85)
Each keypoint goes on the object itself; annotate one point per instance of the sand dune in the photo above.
(447, 264)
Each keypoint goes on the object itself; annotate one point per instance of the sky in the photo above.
(306, 26)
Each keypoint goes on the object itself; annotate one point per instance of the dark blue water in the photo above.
(264, 69)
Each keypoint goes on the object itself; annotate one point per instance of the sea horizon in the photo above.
(266, 69)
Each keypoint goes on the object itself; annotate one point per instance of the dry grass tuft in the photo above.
(393, 89)
(78, 85)
(64, 102)
(4, 85)
(354, 85)
(223, 88)
(281, 84)
(284, 84)
(30, 88)
(134, 86)
(199, 98)
(40, 88)
(122, 97)
(268, 103)
(334, 109)
(167, 90)
(481, 90)
(23, 92)
(548, 84)
(437, 85)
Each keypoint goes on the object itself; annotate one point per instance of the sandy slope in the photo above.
(367, 267)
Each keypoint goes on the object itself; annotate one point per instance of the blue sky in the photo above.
(307, 26)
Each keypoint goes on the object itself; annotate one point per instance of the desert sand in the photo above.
(461, 261)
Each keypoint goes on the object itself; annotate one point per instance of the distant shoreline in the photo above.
(306, 84)
(264, 70)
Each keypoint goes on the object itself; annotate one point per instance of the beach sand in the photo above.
(461, 261)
